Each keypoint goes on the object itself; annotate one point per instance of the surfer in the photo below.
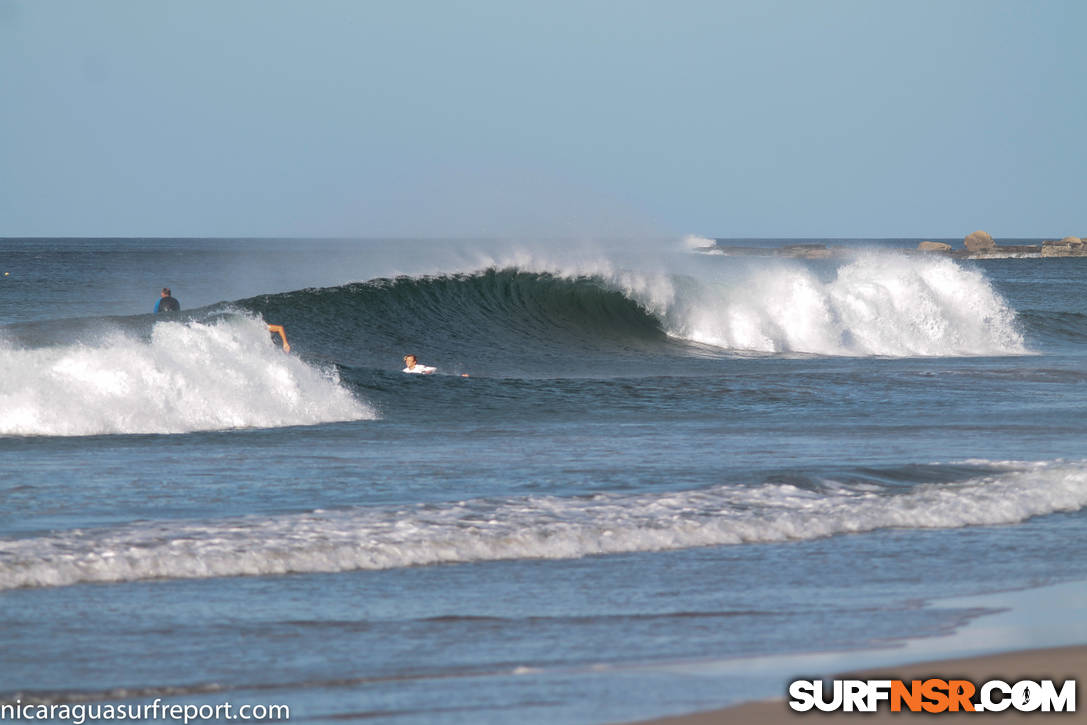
(411, 365)
(278, 330)
(167, 303)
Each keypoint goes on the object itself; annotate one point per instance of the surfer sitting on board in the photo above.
(167, 303)
(411, 365)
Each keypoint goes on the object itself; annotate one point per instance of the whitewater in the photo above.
(877, 303)
(534, 527)
(196, 374)
(659, 457)
(186, 377)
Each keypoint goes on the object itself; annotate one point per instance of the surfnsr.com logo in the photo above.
(933, 696)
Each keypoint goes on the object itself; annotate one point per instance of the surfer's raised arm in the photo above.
(278, 329)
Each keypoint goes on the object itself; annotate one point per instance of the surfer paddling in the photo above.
(412, 365)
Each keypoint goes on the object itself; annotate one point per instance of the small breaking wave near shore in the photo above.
(186, 377)
(540, 527)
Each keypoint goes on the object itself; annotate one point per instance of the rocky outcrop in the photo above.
(978, 241)
(1067, 247)
(979, 245)
(800, 251)
(806, 251)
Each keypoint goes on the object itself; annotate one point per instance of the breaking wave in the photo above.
(541, 527)
(879, 304)
(183, 377)
(521, 316)
(876, 304)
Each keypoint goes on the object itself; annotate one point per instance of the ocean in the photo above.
(634, 458)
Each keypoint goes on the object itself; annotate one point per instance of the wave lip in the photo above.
(189, 376)
(534, 314)
(543, 527)
(879, 304)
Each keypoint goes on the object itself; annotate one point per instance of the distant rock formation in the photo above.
(979, 245)
(799, 251)
(806, 251)
(1067, 247)
(978, 241)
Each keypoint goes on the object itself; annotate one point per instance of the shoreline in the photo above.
(1030, 634)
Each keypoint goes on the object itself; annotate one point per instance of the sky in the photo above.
(348, 118)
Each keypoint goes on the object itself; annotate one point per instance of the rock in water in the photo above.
(1067, 247)
(979, 240)
(934, 247)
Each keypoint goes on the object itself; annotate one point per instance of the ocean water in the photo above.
(659, 457)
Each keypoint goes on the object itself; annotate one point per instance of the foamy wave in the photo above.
(188, 377)
(531, 527)
(693, 242)
(878, 304)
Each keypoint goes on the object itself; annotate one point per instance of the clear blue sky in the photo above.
(352, 118)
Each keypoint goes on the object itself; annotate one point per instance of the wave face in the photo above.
(1061, 325)
(877, 304)
(544, 527)
(518, 317)
(182, 377)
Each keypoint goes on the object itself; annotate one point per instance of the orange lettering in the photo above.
(910, 695)
(934, 690)
(959, 694)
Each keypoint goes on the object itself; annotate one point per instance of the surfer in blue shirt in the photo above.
(167, 303)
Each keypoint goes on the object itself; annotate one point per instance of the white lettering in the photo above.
(878, 690)
(802, 693)
(1063, 701)
(853, 695)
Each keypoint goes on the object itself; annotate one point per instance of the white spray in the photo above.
(545, 527)
(188, 377)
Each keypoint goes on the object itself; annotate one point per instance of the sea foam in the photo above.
(875, 303)
(189, 376)
(878, 304)
(535, 527)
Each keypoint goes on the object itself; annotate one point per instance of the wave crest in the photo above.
(189, 376)
(878, 304)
